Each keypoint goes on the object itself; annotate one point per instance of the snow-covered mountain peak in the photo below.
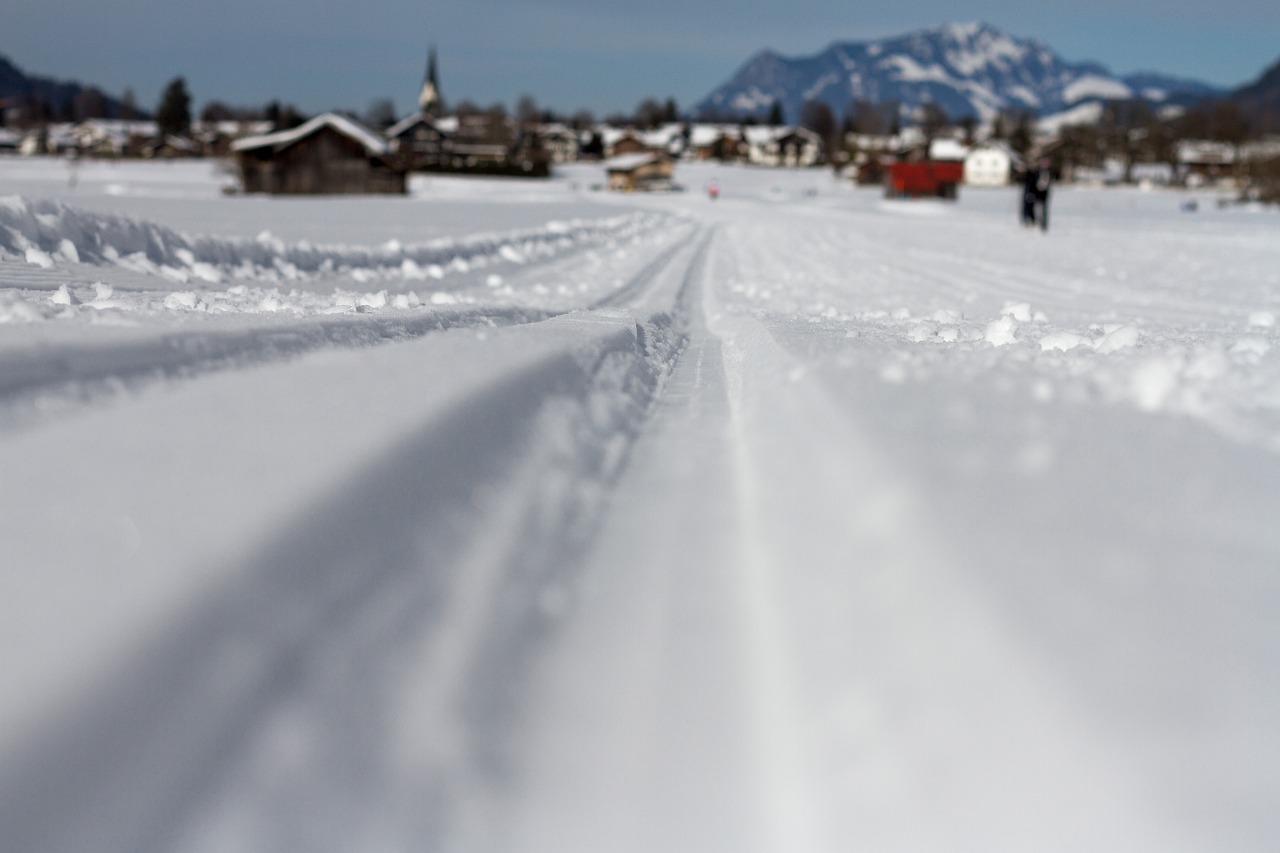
(968, 68)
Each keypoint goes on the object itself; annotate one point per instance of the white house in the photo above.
(991, 164)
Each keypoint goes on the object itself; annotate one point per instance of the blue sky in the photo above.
(602, 55)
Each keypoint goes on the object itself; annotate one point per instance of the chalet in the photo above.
(639, 172)
(991, 164)
(559, 141)
(419, 141)
(618, 143)
(717, 142)
(783, 146)
(330, 154)
(1203, 162)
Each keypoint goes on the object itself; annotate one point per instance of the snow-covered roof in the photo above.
(627, 162)
(407, 122)
(995, 145)
(284, 138)
(947, 149)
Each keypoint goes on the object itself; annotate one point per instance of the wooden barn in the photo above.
(329, 155)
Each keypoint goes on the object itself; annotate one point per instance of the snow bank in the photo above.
(45, 233)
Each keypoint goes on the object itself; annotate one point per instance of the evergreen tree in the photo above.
(776, 119)
(173, 116)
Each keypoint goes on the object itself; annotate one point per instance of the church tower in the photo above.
(429, 99)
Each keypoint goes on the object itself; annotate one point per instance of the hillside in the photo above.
(60, 95)
(1261, 99)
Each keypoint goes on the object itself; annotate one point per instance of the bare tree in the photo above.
(381, 113)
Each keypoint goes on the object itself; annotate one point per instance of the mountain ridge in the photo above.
(969, 69)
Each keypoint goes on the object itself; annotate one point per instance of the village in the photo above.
(924, 156)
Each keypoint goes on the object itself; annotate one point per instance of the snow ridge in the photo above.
(42, 232)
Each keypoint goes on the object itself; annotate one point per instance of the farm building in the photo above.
(991, 164)
(328, 155)
(632, 172)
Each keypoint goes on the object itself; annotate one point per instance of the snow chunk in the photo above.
(1262, 319)
(1062, 341)
(1117, 339)
(68, 250)
(1019, 311)
(182, 300)
(64, 296)
(1001, 332)
(39, 258)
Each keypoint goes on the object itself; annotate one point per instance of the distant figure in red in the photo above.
(713, 190)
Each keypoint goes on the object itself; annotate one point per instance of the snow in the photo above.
(516, 516)
(372, 143)
(1094, 86)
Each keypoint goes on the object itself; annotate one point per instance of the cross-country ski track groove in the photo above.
(59, 376)
(386, 562)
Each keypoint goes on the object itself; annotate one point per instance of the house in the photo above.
(419, 141)
(113, 137)
(620, 142)
(991, 164)
(559, 141)
(645, 171)
(1203, 162)
(723, 142)
(330, 154)
(783, 146)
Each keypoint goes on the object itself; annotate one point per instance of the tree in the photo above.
(129, 108)
(1022, 132)
(670, 112)
(527, 112)
(933, 120)
(819, 117)
(282, 117)
(864, 118)
(649, 114)
(381, 113)
(776, 118)
(89, 103)
(173, 116)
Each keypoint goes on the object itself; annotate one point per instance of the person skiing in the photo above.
(1028, 214)
(1044, 179)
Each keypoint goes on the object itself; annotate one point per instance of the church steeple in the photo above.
(429, 99)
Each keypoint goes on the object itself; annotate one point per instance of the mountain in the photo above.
(17, 87)
(1261, 99)
(968, 69)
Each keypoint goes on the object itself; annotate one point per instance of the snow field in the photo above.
(797, 520)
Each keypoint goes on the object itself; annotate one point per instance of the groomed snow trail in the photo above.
(797, 521)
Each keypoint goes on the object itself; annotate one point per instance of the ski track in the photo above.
(246, 657)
